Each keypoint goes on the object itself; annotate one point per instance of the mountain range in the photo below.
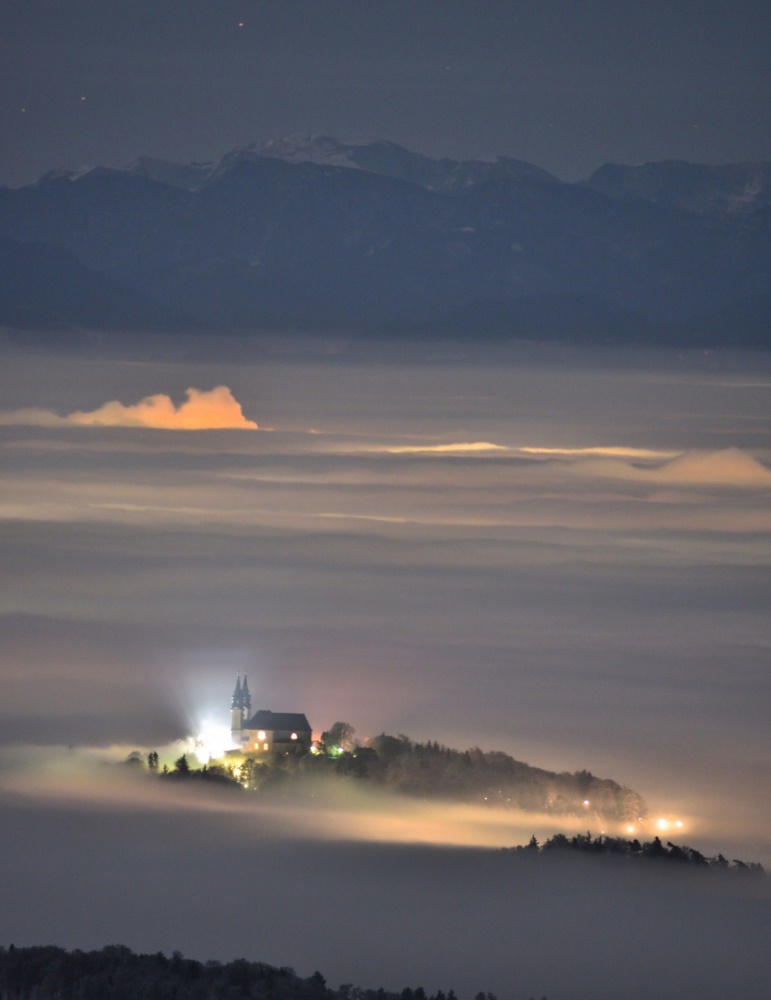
(370, 239)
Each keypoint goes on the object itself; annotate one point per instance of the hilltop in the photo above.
(422, 770)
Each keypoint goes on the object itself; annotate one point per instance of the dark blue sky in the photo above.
(563, 83)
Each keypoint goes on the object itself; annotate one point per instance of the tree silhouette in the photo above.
(181, 765)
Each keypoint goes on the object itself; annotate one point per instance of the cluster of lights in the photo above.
(666, 824)
(662, 824)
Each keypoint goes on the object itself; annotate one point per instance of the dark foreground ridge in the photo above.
(116, 973)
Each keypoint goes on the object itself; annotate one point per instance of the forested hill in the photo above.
(429, 771)
(116, 973)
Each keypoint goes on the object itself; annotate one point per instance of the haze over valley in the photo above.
(385, 530)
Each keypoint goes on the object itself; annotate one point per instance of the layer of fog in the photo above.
(307, 807)
(590, 592)
(96, 857)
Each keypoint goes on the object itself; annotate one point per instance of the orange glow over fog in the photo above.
(458, 446)
(204, 409)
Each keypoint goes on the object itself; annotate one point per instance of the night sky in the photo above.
(560, 554)
(567, 85)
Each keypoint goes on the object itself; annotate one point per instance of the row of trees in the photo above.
(431, 770)
(619, 846)
(117, 973)
(217, 773)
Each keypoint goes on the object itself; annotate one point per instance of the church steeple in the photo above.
(238, 708)
(238, 694)
(246, 699)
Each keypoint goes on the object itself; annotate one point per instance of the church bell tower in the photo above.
(240, 710)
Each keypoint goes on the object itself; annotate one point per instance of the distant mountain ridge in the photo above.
(733, 189)
(315, 234)
(378, 157)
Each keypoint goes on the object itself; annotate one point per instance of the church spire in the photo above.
(238, 694)
(246, 698)
(237, 710)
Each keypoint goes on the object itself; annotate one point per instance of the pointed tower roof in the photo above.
(238, 694)
(246, 698)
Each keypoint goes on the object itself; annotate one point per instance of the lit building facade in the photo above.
(265, 731)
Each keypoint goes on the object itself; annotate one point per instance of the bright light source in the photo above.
(630, 829)
(212, 740)
(586, 802)
(293, 736)
(662, 824)
(261, 734)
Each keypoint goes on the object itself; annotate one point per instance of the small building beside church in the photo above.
(265, 731)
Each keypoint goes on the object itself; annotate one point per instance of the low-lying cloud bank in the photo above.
(324, 809)
(315, 809)
(726, 466)
(729, 467)
(219, 874)
(203, 409)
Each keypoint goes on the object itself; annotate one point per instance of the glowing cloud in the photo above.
(456, 447)
(203, 409)
(731, 465)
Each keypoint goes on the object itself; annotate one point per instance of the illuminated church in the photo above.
(265, 731)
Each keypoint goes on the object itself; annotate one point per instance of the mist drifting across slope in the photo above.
(103, 856)
(591, 592)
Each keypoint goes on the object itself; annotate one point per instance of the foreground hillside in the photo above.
(425, 770)
(117, 973)
(325, 236)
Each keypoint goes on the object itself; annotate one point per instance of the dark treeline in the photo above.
(431, 770)
(426, 770)
(620, 847)
(116, 973)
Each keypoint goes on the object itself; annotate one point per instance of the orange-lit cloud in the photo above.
(457, 447)
(203, 409)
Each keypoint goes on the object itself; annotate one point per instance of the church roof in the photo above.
(271, 721)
